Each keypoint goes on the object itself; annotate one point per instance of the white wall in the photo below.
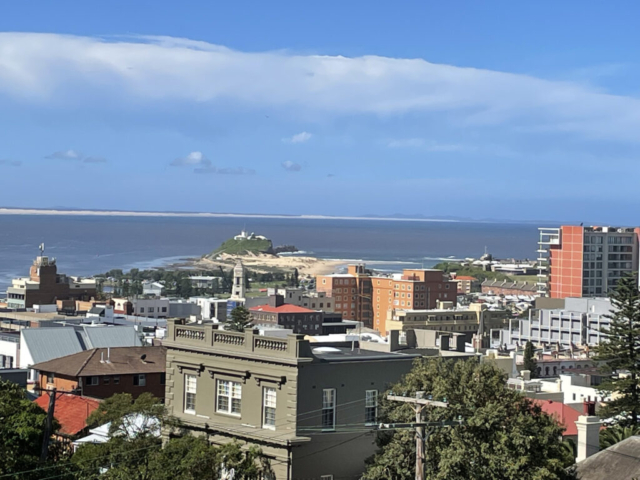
(572, 393)
(10, 349)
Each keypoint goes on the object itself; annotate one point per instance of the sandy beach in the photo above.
(307, 266)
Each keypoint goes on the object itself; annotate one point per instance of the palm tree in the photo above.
(616, 434)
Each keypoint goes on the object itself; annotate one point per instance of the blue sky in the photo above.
(512, 110)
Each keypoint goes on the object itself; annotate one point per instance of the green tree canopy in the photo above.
(530, 360)
(617, 433)
(621, 352)
(504, 437)
(240, 319)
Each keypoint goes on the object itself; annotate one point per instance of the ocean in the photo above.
(87, 245)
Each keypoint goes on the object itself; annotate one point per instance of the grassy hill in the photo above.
(243, 246)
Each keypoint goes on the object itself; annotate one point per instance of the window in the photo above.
(140, 380)
(329, 409)
(116, 380)
(93, 381)
(190, 384)
(269, 408)
(151, 309)
(326, 477)
(141, 309)
(106, 380)
(50, 377)
(164, 309)
(371, 407)
(163, 378)
(229, 397)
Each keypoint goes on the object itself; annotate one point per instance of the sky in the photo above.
(495, 109)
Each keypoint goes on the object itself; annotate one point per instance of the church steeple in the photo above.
(239, 288)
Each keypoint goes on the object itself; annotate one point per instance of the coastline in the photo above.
(123, 213)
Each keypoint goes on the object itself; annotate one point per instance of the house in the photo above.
(134, 425)
(143, 307)
(291, 399)
(152, 288)
(299, 319)
(103, 372)
(565, 415)
(43, 344)
(202, 282)
(71, 412)
(620, 462)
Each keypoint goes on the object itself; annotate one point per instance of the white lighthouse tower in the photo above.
(238, 291)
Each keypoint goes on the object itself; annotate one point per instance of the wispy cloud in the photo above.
(74, 155)
(298, 138)
(65, 155)
(40, 68)
(193, 159)
(224, 171)
(11, 163)
(428, 145)
(291, 166)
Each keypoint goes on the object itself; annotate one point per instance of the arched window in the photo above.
(546, 371)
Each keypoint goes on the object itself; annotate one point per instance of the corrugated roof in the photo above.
(620, 461)
(99, 337)
(47, 343)
(122, 361)
(71, 411)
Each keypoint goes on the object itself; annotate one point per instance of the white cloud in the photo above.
(65, 155)
(291, 166)
(298, 138)
(62, 69)
(193, 159)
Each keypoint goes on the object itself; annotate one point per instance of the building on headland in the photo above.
(292, 400)
(299, 319)
(585, 261)
(476, 319)
(103, 372)
(359, 295)
(45, 286)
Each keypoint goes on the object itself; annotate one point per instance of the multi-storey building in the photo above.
(361, 296)
(476, 319)
(309, 409)
(580, 322)
(585, 261)
(45, 286)
(299, 319)
(304, 298)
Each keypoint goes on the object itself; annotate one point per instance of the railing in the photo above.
(267, 344)
(190, 334)
(228, 339)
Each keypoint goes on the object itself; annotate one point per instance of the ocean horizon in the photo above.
(90, 244)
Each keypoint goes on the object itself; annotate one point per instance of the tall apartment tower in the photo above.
(585, 261)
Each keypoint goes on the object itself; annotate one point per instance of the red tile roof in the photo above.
(285, 308)
(464, 277)
(565, 415)
(71, 411)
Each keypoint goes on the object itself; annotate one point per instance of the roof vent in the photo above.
(143, 357)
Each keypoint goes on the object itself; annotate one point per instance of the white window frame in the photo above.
(142, 380)
(190, 388)
(269, 402)
(329, 406)
(232, 392)
(371, 403)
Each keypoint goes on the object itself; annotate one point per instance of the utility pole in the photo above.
(419, 402)
(48, 426)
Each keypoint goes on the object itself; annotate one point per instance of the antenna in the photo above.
(41, 248)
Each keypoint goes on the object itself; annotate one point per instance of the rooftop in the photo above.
(100, 361)
(285, 308)
(620, 461)
(347, 354)
(71, 411)
(566, 415)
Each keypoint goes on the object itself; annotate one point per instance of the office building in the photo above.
(585, 261)
(299, 319)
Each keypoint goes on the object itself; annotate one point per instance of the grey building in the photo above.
(580, 322)
(311, 410)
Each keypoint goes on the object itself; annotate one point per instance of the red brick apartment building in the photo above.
(103, 372)
(359, 295)
(585, 261)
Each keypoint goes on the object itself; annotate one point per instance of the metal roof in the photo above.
(48, 343)
(101, 337)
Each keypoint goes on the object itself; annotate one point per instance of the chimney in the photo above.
(588, 436)
(589, 408)
(101, 357)
(108, 354)
(276, 300)
(526, 375)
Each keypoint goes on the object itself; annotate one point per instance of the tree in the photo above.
(620, 351)
(504, 436)
(616, 434)
(240, 319)
(296, 277)
(22, 425)
(530, 360)
(184, 288)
